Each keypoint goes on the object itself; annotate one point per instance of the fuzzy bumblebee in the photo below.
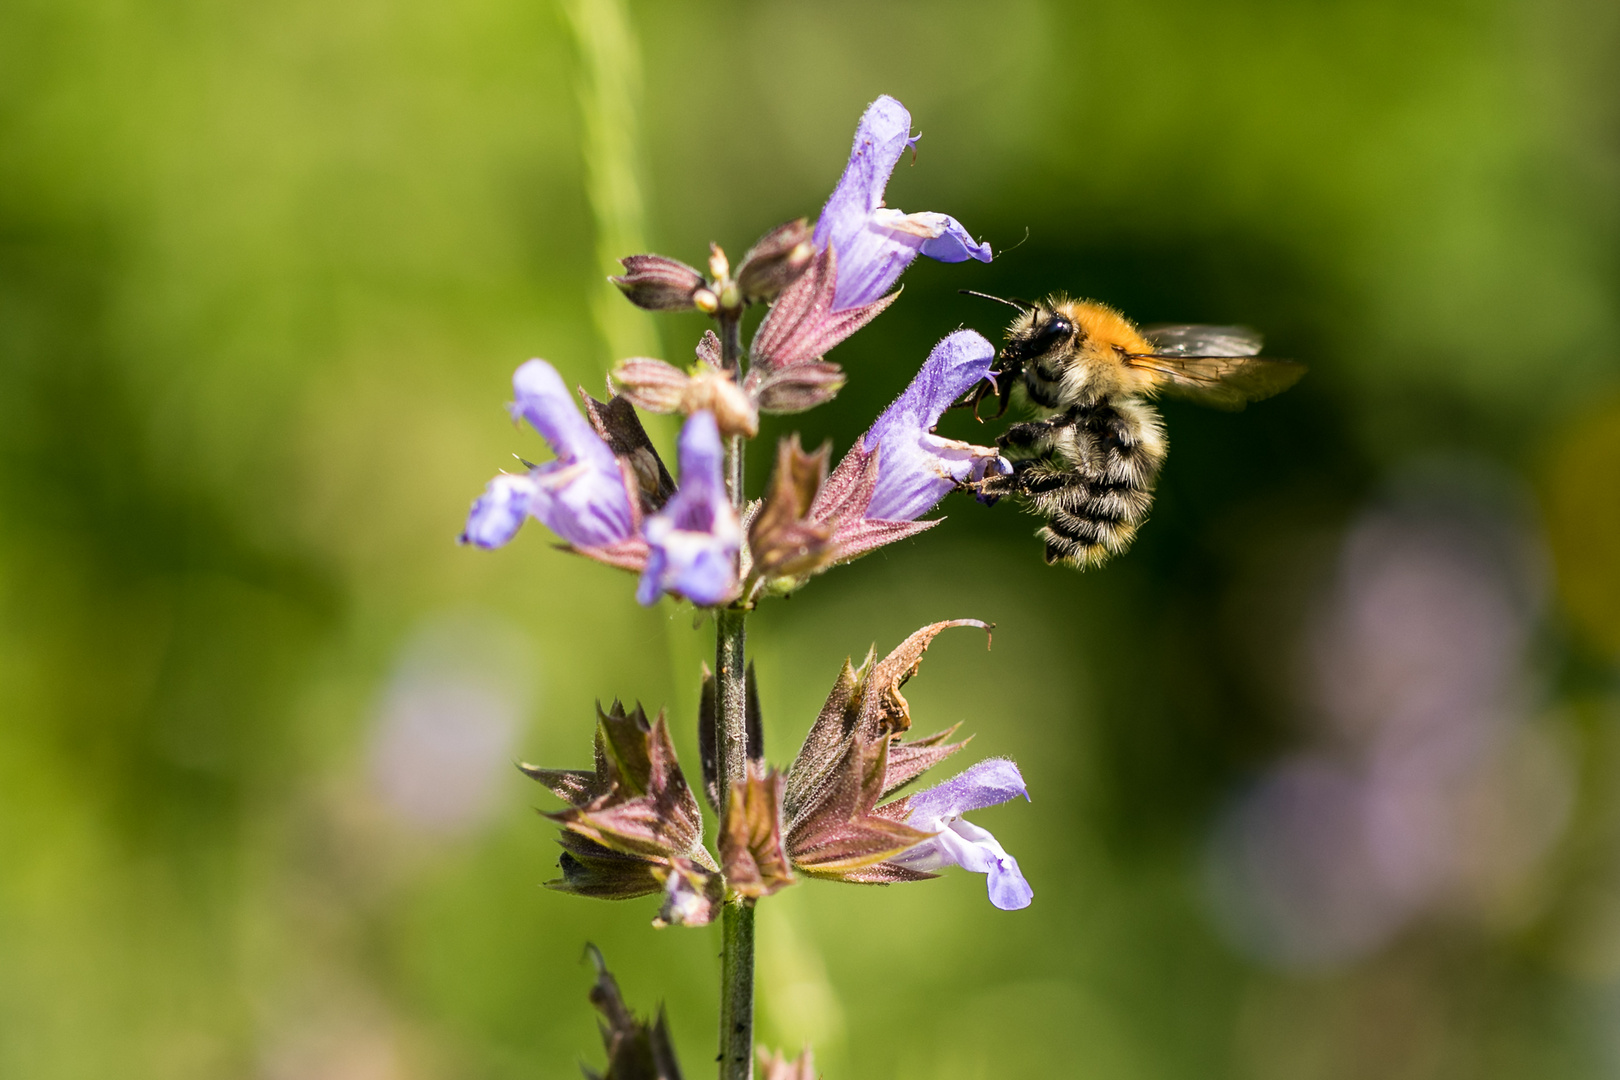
(1089, 464)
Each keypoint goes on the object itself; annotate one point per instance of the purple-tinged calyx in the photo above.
(876, 243)
(693, 541)
(900, 470)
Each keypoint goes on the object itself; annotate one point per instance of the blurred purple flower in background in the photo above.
(693, 541)
(580, 496)
(874, 243)
(956, 842)
(1428, 787)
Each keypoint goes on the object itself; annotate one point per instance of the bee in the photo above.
(1089, 464)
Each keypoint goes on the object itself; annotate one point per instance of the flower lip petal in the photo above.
(497, 514)
(989, 783)
(952, 243)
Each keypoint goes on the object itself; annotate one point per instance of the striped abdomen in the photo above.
(1090, 472)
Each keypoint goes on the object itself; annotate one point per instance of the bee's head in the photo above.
(1037, 333)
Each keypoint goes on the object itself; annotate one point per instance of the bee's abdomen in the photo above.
(1095, 487)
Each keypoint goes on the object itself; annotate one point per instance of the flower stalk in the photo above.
(731, 738)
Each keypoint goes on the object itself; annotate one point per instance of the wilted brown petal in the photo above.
(635, 1049)
(616, 421)
(776, 261)
(658, 283)
(752, 855)
(883, 709)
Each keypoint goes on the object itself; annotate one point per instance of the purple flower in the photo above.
(916, 468)
(580, 496)
(874, 243)
(693, 541)
(956, 842)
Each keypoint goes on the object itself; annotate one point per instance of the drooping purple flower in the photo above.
(957, 842)
(580, 495)
(916, 468)
(693, 541)
(876, 243)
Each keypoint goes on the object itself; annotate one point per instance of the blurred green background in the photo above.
(1326, 771)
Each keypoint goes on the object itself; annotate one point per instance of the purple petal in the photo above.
(875, 243)
(497, 514)
(955, 244)
(545, 402)
(989, 783)
(580, 496)
(693, 541)
(961, 843)
(917, 469)
(882, 136)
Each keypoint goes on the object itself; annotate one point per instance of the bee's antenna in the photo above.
(1025, 308)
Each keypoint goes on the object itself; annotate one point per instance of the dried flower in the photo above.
(693, 541)
(875, 243)
(636, 1050)
(752, 854)
(581, 496)
(783, 542)
(633, 826)
(853, 758)
(658, 283)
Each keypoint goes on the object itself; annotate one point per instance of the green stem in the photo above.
(731, 716)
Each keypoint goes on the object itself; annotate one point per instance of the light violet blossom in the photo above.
(692, 543)
(957, 842)
(916, 468)
(875, 243)
(580, 496)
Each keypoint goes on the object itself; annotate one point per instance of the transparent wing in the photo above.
(1223, 382)
(1188, 340)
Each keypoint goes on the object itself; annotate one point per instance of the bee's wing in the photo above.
(1185, 340)
(1224, 382)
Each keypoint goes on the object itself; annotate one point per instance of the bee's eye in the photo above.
(1049, 334)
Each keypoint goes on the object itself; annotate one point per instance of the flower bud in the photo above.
(658, 283)
(800, 387)
(778, 260)
(651, 384)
